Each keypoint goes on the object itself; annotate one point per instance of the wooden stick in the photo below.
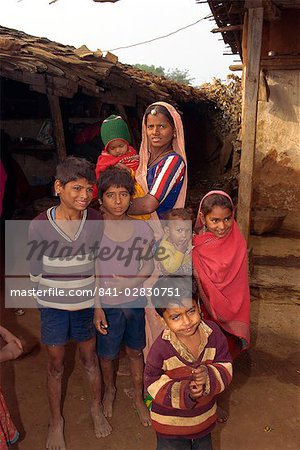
(249, 115)
(228, 28)
(58, 127)
(236, 67)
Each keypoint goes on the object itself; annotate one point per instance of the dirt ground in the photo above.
(264, 392)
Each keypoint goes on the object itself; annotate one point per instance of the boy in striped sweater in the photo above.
(187, 367)
(63, 244)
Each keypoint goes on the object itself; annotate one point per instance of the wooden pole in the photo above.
(58, 127)
(121, 110)
(249, 116)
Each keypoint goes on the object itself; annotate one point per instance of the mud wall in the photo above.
(277, 158)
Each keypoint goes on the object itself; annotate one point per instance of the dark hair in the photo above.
(215, 200)
(159, 109)
(171, 291)
(114, 176)
(72, 168)
(178, 213)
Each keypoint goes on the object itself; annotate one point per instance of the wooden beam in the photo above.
(236, 67)
(228, 28)
(281, 62)
(121, 110)
(249, 114)
(58, 127)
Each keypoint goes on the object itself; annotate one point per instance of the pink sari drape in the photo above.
(220, 267)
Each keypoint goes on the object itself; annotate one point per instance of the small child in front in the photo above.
(176, 245)
(187, 367)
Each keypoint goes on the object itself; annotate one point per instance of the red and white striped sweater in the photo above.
(168, 373)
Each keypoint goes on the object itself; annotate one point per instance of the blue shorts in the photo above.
(125, 326)
(59, 326)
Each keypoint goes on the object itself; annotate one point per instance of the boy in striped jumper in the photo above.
(63, 243)
(187, 367)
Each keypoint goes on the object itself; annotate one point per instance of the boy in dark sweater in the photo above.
(187, 367)
(63, 243)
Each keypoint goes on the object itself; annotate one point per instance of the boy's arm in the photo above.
(35, 252)
(220, 370)
(164, 390)
(170, 258)
(100, 321)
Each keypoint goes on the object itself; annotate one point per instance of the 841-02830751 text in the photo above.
(139, 292)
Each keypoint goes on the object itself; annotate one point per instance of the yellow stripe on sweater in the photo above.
(183, 421)
(157, 385)
(175, 395)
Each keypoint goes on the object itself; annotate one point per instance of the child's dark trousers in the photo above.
(203, 443)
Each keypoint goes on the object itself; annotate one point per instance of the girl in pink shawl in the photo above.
(220, 267)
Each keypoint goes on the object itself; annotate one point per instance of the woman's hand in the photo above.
(100, 321)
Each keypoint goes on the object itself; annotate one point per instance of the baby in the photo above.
(116, 138)
(176, 245)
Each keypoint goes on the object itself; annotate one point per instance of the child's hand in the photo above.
(100, 321)
(196, 390)
(13, 349)
(120, 283)
(122, 166)
(8, 337)
(182, 247)
(200, 374)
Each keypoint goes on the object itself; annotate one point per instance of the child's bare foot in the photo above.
(143, 412)
(101, 427)
(108, 400)
(55, 438)
(222, 415)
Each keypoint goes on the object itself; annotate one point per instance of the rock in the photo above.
(265, 220)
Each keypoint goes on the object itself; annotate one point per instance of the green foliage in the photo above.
(181, 76)
(160, 71)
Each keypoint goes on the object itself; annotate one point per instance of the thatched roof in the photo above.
(52, 68)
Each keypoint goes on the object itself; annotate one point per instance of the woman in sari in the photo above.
(162, 174)
(162, 168)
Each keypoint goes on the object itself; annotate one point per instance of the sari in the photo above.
(220, 268)
(153, 322)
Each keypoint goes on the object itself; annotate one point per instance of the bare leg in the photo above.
(55, 439)
(108, 367)
(136, 362)
(89, 361)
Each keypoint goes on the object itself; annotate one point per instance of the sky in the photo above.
(110, 25)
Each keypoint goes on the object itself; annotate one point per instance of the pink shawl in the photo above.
(178, 147)
(220, 266)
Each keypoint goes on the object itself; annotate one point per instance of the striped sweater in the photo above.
(62, 269)
(168, 371)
